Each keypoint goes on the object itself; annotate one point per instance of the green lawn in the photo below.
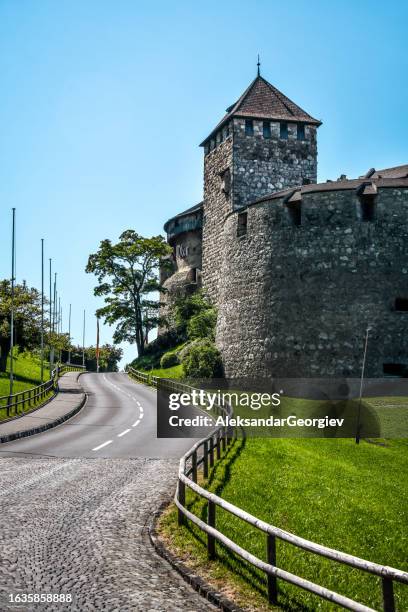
(27, 374)
(173, 372)
(352, 498)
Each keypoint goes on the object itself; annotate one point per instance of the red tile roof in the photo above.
(263, 101)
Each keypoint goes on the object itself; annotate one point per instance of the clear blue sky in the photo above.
(103, 104)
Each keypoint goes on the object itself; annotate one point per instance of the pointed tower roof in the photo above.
(263, 101)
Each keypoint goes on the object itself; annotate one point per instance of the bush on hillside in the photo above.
(201, 359)
(169, 360)
(202, 325)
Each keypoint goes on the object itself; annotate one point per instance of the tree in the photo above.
(127, 273)
(27, 319)
(109, 357)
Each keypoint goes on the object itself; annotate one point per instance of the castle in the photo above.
(296, 269)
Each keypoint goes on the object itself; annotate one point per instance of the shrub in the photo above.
(185, 307)
(201, 359)
(169, 359)
(202, 325)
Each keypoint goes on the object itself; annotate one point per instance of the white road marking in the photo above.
(102, 445)
(136, 423)
(123, 433)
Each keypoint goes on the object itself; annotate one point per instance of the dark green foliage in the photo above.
(127, 274)
(27, 318)
(202, 360)
(186, 307)
(169, 359)
(155, 349)
(109, 357)
(202, 324)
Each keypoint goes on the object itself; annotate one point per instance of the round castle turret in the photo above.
(306, 270)
(182, 274)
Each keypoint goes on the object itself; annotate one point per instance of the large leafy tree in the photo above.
(127, 274)
(27, 318)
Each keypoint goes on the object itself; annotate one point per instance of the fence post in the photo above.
(272, 582)
(182, 501)
(194, 462)
(218, 444)
(388, 595)
(205, 458)
(211, 523)
(212, 451)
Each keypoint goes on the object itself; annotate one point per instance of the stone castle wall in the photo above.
(183, 274)
(217, 204)
(264, 165)
(296, 300)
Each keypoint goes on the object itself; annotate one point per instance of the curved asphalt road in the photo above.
(73, 519)
(118, 420)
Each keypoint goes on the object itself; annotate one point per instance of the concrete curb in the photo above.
(198, 584)
(50, 425)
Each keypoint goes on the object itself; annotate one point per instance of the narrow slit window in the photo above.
(367, 207)
(301, 132)
(249, 127)
(242, 224)
(401, 304)
(284, 131)
(194, 275)
(295, 213)
(266, 129)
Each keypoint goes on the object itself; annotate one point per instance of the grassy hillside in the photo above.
(27, 373)
(352, 498)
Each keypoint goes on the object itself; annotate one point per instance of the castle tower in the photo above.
(264, 143)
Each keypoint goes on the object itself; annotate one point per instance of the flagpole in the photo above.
(12, 301)
(69, 335)
(42, 310)
(83, 342)
(97, 344)
(50, 356)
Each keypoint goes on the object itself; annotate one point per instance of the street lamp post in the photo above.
(361, 386)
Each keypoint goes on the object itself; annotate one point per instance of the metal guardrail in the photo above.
(219, 441)
(18, 402)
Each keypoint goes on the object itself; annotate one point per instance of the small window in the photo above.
(226, 181)
(266, 129)
(193, 275)
(395, 369)
(227, 129)
(295, 213)
(249, 127)
(284, 131)
(212, 144)
(242, 224)
(367, 207)
(301, 132)
(401, 304)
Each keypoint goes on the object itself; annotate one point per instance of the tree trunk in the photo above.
(4, 351)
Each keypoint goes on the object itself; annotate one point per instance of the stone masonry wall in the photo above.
(264, 165)
(296, 300)
(217, 204)
(184, 277)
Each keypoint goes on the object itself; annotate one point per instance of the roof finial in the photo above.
(259, 66)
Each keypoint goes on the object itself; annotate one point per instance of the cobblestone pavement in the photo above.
(77, 526)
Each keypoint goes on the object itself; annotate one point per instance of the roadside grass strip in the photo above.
(349, 497)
